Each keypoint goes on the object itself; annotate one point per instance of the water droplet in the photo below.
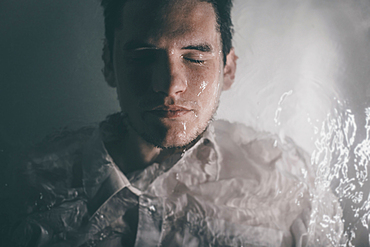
(279, 109)
(152, 208)
(202, 87)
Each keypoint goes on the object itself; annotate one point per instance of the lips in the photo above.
(169, 111)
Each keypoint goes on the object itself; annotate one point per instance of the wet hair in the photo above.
(113, 10)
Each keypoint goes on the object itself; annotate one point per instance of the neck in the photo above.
(134, 153)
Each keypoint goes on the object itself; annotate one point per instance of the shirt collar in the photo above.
(101, 176)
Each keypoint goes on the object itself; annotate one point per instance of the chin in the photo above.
(176, 142)
(175, 138)
(171, 134)
(179, 140)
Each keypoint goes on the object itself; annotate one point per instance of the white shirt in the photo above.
(235, 187)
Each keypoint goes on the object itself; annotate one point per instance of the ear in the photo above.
(229, 69)
(108, 70)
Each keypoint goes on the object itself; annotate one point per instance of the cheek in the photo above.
(133, 80)
(204, 85)
(139, 81)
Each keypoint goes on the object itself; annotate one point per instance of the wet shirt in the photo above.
(235, 187)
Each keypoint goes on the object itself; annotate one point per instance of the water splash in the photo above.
(341, 159)
(280, 108)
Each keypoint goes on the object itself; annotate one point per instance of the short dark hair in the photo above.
(113, 10)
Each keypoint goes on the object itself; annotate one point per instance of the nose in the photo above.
(169, 75)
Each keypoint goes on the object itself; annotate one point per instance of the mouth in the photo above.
(169, 111)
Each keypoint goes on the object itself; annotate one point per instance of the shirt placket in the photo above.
(150, 221)
(109, 212)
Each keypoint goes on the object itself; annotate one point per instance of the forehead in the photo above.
(155, 19)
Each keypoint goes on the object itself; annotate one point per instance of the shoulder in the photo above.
(51, 171)
(263, 148)
(54, 158)
(46, 177)
(283, 171)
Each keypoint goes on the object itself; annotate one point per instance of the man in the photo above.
(160, 173)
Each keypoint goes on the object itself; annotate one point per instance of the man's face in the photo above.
(168, 69)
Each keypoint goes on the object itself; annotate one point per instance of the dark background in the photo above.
(50, 68)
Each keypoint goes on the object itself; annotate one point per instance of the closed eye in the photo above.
(196, 61)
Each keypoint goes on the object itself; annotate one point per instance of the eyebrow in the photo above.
(135, 44)
(201, 47)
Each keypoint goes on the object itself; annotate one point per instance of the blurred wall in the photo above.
(299, 60)
(50, 68)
